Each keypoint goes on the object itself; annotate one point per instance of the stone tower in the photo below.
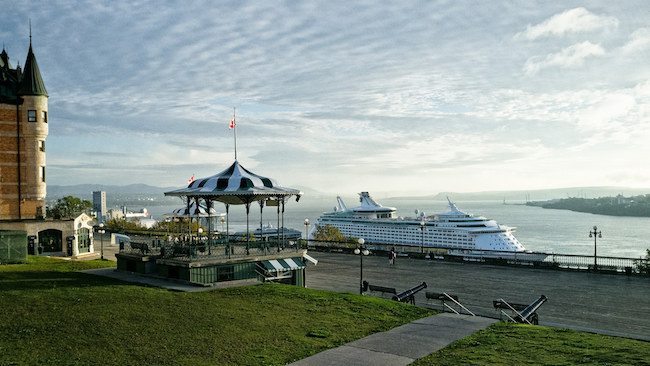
(23, 131)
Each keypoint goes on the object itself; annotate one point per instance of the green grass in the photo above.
(511, 344)
(50, 314)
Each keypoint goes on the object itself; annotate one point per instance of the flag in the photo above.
(232, 123)
(189, 181)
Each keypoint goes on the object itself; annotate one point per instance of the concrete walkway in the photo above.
(401, 345)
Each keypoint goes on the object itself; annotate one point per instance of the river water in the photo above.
(538, 229)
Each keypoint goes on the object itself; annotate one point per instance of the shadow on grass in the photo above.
(42, 280)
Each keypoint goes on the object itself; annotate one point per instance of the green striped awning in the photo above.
(286, 264)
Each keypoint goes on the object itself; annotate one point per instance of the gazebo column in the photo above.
(248, 234)
(228, 230)
(208, 204)
(197, 213)
(189, 228)
(278, 234)
(262, 225)
(283, 228)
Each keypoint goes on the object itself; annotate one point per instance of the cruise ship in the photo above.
(454, 230)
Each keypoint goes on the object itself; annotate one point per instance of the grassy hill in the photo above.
(52, 315)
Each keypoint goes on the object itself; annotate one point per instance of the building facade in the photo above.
(23, 131)
(99, 204)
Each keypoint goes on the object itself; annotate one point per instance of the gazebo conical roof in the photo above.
(235, 185)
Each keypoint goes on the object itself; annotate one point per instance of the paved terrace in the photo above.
(603, 303)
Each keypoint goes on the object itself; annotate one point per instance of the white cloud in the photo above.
(572, 56)
(578, 20)
(639, 40)
(335, 94)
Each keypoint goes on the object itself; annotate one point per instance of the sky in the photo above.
(402, 97)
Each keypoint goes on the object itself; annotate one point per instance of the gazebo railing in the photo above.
(220, 248)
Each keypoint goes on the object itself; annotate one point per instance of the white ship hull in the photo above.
(453, 230)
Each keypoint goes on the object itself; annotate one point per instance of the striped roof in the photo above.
(235, 185)
(286, 264)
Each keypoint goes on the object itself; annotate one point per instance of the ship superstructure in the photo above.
(453, 229)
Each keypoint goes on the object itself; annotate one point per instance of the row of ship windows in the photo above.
(405, 231)
(401, 230)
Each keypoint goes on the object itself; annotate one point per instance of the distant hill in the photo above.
(86, 190)
(536, 194)
(638, 206)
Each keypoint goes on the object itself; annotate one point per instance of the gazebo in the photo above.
(236, 185)
(225, 259)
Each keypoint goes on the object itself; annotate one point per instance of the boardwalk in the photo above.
(609, 304)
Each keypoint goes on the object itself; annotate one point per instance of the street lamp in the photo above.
(422, 224)
(596, 234)
(361, 251)
(101, 232)
(307, 231)
(222, 221)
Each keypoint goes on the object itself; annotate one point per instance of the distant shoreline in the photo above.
(634, 206)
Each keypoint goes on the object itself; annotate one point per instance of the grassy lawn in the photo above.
(49, 314)
(510, 344)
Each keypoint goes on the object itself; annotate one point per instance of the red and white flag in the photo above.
(189, 181)
(232, 123)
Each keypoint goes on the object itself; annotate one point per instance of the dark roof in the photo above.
(4, 59)
(32, 82)
(8, 79)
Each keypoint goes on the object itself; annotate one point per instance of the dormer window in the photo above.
(45, 116)
(31, 115)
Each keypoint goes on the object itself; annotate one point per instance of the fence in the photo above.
(530, 259)
(13, 246)
(203, 248)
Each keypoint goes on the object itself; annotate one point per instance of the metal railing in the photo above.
(204, 249)
(605, 264)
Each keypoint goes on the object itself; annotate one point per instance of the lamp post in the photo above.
(101, 232)
(596, 234)
(422, 224)
(361, 251)
(222, 222)
(306, 231)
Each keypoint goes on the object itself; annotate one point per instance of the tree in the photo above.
(69, 207)
(644, 265)
(329, 233)
(121, 225)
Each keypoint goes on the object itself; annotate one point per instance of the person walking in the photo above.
(391, 257)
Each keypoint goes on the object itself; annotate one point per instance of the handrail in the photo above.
(506, 314)
(457, 303)
(515, 311)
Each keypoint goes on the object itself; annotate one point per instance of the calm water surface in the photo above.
(538, 229)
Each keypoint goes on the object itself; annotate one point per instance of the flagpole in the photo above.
(235, 128)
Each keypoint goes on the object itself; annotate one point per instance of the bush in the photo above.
(643, 265)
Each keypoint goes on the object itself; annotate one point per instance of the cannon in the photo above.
(409, 295)
(522, 313)
(529, 312)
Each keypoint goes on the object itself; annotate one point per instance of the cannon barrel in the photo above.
(406, 295)
(531, 309)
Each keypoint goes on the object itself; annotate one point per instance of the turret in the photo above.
(33, 133)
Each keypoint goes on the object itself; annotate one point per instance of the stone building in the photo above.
(23, 131)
